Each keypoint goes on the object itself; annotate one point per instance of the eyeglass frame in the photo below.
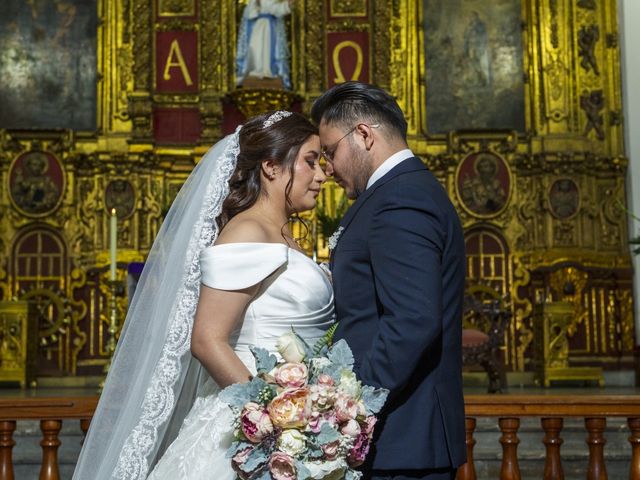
(329, 156)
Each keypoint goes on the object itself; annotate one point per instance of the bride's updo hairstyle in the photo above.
(275, 136)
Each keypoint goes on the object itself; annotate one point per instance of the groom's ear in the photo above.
(366, 132)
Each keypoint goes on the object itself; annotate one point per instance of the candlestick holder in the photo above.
(115, 288)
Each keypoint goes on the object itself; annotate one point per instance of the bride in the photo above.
(224, 273)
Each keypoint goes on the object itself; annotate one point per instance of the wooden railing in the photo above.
(50, 411)
(508, 409)
(552, 409)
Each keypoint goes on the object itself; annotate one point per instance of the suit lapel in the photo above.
(409, 165)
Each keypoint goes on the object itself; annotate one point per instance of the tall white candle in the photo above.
(113, 228)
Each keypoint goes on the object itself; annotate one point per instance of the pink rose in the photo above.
(351, 428)
(290, 409)
(255, 422)
(282, 467)
(330, 450)
(359, 451)
(346, 408)
(324, 379)
(292, 375)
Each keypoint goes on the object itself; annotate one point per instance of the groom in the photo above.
(398, 274)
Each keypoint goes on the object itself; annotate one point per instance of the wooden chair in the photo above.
(485, 318)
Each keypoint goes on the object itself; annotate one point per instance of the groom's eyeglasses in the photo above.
(328, 153)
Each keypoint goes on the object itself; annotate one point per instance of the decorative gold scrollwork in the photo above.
(54, 314)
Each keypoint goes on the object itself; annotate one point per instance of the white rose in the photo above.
(349, 384)
(291, 347)
(292, 442)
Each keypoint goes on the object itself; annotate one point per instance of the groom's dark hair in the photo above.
(352, 102)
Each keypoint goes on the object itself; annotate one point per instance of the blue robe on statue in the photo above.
(262, 49)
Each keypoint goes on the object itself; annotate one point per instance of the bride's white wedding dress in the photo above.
(296, 293)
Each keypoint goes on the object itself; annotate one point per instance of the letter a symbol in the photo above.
(174, 50)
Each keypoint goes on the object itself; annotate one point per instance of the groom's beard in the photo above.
(361, 171)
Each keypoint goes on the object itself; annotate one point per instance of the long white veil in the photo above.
(153, 378)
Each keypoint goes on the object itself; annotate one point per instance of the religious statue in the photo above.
(476, 50)
(587, 39)
(592, 103)
(32, 189)
(483, 193)
(263, 52)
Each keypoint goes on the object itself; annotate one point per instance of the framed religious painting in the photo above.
(48, 65)
(473, 54)
(483, 184)
(36, 183)
(121, 196)
(564, 198)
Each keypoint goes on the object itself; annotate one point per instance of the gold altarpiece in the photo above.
(558, 234)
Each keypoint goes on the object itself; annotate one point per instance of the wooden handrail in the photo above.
(552, 405)
(44, 408)
(47, 408)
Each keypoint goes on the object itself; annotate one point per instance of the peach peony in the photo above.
(291, 408)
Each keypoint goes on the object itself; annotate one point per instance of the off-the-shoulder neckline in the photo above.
(260, 243)
(249, 243)
(304, 255)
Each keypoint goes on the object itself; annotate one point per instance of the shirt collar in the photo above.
(388, 164)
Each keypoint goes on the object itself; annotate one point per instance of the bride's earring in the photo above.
(269, 170)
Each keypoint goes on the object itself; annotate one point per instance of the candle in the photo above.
(113, 228)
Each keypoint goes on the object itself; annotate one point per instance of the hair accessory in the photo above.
(275, 118)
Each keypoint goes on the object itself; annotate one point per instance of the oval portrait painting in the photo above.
(120, 195)
(483, 184)
(564, 198)
(36, 183)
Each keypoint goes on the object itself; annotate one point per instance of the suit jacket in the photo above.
(398, 274)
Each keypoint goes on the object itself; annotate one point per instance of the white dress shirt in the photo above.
(388, 164)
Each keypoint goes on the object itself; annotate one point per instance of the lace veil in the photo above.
(152, 383)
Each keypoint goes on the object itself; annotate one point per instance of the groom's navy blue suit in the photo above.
(398, 274)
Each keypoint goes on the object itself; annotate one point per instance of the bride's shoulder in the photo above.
(246, 236)
(243, 230)
(241, 257)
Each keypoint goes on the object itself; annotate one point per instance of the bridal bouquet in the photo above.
(303, 417)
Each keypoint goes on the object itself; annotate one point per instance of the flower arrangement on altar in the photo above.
(303, 417)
